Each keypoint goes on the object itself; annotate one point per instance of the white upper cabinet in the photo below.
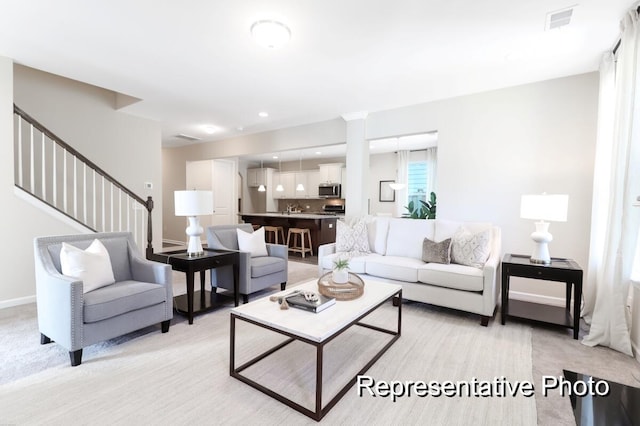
(256, 177)
(313, 182)
(331, 173)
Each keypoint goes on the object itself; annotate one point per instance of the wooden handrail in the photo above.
(75, 153)
(148, 203)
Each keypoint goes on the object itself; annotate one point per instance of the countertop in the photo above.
(295, 215)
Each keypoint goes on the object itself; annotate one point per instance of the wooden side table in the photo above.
(198, 301)
(563, 270)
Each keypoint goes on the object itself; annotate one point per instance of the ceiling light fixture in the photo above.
(261, 188)
(270, 34)
(300, 186)
(263, 114)
(279, 187)
(210, 129)
(397, 186)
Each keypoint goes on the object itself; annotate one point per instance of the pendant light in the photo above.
(261, 188)
(300, 186)
(279, 188)
(397, 186)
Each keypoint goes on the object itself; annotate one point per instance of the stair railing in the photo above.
(49, 169)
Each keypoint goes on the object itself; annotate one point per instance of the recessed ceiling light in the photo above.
(240, 128)
(275, 157)
(318, 152)
(271, 34)
(263, 114)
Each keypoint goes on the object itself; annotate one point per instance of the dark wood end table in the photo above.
(563, 270)
(198, 301)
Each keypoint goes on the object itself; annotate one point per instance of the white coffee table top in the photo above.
(315, 326)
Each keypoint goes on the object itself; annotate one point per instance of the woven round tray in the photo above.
(350, 290)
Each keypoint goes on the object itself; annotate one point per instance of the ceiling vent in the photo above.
(187, 137)
(558, 18)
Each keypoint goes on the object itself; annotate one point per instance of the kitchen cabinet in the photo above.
(313, 181)
(301, 179)
(331, 172)
(310, 179)
(257, 177)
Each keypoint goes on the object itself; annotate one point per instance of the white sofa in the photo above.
(396, 256)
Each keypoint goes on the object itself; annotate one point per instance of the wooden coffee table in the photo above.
(316, 330)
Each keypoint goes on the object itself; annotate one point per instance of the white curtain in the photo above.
(432, 170)
(402, 176)
(615, 222)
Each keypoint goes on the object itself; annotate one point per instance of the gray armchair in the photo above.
(255, 273)
(141, 296)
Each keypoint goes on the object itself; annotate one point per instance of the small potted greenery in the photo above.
(340, 274)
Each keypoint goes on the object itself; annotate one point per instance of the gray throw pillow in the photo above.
(433, 252)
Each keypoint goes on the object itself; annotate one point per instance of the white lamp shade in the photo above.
(551, 207)
(300, 187)
(193, 203)
(279, 188)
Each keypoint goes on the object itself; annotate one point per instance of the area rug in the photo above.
(182, 377)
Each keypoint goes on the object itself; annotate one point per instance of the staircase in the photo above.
(50, 170)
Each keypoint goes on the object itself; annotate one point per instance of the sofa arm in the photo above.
(150, 272)
(278, 250)
(491, 274)
(324, 250)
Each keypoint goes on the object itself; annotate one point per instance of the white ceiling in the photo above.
(193, 63)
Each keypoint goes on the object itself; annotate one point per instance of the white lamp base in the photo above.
(194, 230)
(542, 237)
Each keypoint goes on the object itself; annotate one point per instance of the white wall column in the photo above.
(357, 200)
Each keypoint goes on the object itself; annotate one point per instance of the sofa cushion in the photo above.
(121, 297)
(470, 249)
(92, 266)
(253, 242)
(356, 262)
(447, 228)
(265, 265)
(459, 277)
(406, 235)
(377, 228)
(394, 267)
(352, 237)
(436, 252)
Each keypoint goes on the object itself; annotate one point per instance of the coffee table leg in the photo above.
(319, 350)
(232, 349)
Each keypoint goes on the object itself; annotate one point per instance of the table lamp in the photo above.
(551, 207)
(193, 204)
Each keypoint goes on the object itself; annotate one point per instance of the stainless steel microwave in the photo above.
(329, 190)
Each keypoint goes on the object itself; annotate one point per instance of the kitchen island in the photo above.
(321, 226)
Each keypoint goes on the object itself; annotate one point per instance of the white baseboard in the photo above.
(537, 298)
(17, 302)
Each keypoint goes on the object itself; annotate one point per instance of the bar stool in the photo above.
(277, 232)
(300, 233)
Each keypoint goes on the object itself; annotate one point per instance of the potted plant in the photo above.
(340, 274)
(422, 209)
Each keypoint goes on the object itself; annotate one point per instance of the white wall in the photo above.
(84, 116)
(495, 146)
(383, 167)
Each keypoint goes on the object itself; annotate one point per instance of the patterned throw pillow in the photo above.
(433, 252)
(352, 237)
(470, 249)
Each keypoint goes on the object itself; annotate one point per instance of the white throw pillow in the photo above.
(470, 249)
(92, 266)
(252, 242)
(352, 237)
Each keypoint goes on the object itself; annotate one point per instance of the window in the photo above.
(421, 175)
(417, 181)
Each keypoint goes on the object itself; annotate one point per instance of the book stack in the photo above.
(316, 303)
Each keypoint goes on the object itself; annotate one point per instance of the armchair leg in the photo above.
(283, 286)
(76, 357)
(245, 298)
(165, 325)
(44, 339)
(484, 320)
